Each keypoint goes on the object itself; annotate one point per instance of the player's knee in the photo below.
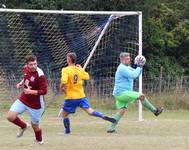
(142, 97)
(11, 117)
(89, 111)
(65, 114)
(122, 111)
(36, 127)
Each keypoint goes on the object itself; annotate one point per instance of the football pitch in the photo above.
(170, 131)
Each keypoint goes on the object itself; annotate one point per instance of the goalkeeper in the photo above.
(123, 88)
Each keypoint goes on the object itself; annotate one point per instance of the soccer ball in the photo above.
(140, 60)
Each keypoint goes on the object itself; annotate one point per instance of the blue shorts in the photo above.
(35, 114)
(70, 105)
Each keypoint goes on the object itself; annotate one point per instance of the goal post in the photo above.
(97, 37)
(140, 116)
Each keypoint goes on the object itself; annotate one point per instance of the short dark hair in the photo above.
(30, 58)
(72, 56)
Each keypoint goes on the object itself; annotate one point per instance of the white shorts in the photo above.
(35, 114)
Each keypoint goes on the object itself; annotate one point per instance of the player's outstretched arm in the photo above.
(132, 73)
(140, 62)
(19, 85)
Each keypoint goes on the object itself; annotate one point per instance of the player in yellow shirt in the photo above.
(71, 86)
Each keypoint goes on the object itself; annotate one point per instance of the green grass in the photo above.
(174, 101)
(170, 131)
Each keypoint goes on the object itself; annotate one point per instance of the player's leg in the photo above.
(85, 105)
(147, 104)
(122, 107)
(69, 106)
(122, 102)
(66, 122)
(17, 108)
(36, 115)
(38, 133)
(96, 113)
(132, 96)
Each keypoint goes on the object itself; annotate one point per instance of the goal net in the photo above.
(96, 37)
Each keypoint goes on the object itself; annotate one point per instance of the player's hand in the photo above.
(78, 65)
(18, 86)
(140, 61)
(29, 91)
(63, 89)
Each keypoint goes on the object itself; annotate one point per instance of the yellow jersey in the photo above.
(72, 77)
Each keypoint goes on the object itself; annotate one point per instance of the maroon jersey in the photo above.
(25, 70)
(35, 81)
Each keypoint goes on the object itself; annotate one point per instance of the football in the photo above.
(140, 60)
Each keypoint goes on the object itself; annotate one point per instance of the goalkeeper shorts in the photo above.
(126, 97)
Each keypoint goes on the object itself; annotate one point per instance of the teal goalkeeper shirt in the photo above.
(124, 78)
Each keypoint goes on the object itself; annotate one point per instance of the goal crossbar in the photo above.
(72, 12)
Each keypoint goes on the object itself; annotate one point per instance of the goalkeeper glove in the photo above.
(140, 61)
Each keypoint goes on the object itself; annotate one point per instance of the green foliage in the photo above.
(166, 40)
(170, 67)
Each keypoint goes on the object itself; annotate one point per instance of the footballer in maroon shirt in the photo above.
(31, 99)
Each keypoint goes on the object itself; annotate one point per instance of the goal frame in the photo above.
(126, 13)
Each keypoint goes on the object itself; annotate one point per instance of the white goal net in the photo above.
(96, 37)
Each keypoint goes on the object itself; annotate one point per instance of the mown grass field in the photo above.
(170, 131)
